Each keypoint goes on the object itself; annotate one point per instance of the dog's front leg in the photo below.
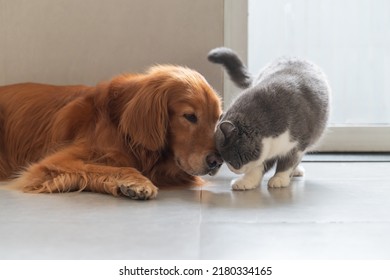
(64, 172)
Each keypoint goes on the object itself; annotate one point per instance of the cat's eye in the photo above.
(192, 118)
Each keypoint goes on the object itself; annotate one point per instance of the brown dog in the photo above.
(125, 137)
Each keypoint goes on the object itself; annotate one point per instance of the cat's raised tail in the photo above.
(237, 71)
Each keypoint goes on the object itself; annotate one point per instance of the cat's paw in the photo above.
(279, 181)
(299, 171)
(242, 184)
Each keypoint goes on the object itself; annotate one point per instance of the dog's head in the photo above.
(173, 109)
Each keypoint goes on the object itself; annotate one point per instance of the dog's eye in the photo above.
(191, 118)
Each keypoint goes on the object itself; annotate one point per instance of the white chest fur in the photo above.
(272, 147)
(254, 170)
(277, 146)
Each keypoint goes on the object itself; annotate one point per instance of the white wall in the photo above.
(86, 41)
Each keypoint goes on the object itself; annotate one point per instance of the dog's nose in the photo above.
(214, 161)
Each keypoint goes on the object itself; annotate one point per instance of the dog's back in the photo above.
(27, 115)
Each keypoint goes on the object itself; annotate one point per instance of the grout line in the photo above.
(299, 222)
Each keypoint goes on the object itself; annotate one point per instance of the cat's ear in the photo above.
(228, 130)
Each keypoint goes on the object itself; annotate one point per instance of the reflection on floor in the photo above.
(339, 210)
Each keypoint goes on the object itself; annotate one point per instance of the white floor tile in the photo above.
(339, 210)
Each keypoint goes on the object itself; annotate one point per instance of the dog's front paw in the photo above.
(141, 191)
(279, 181)
(243, 183)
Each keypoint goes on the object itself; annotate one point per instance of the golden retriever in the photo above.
(128, 136)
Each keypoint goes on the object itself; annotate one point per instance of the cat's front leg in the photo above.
(285, 169)
(249, 180)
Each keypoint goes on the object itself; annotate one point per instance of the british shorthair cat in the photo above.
(280, 114)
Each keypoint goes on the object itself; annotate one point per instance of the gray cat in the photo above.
(279, 115)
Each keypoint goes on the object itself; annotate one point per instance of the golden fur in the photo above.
(125, 137)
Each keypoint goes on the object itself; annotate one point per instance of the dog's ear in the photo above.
(144, 119)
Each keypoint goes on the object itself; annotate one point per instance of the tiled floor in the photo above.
(339, 210)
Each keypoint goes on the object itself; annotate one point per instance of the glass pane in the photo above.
(348, 39)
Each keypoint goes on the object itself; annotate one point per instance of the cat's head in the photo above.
(236, 145)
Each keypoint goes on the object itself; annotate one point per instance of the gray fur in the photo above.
(233, 65)
(289, 94)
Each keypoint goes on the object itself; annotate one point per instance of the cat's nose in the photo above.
(214, 161)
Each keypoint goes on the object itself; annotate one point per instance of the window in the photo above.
(350, 41)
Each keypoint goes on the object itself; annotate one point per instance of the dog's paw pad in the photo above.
(139, 192)
(128, 191)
